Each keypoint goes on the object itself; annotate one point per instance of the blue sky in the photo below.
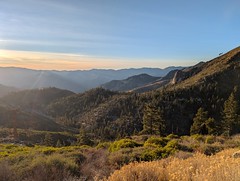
(87, 34)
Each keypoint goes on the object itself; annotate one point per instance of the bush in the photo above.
(197, 167)
(154, 154)
(54, 167)
(155, 142)
(103, 145)
(173, 144)
(198, 137)
(210, 139)
(120, 157)
(172, 136)
(123, 143)
(49, 150)
(5, 171)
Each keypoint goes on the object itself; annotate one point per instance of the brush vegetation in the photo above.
(39, 162)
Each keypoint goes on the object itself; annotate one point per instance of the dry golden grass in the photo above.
(199, 167)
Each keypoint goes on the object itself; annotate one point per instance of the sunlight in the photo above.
(64, 61)
(2, 53)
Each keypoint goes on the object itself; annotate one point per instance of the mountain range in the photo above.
(107, 114)
(76, 81)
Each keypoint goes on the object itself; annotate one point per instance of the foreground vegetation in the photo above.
(82, 162)
(219, 167)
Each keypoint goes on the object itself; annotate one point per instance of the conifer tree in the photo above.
(153, 123)
(212, 127)
(199, 122)
(48, 139)
(84, 139)
(230, 115)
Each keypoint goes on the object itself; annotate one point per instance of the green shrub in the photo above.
(11, 146)
(155, 142)
(210, 139)
(103, 145)
(172, 136)
(123, 143)
(120, 157)
(209, 149)
(172, 144)
(48, 150)
(198, 137)
(154, 154)
(53, 167)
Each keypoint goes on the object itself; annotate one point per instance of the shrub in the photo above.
(120, 157)
(210, 139)
(5, 171)
(154, 154)
(155, 142)
(48, 150)
(172, 136)
(173, 144)
(218, 167)
(123, 143)
(54, 167)
(103, 145)
(198, 137)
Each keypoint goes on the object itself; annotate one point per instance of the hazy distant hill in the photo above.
(4, 90)
(130, 83)
(77, 81)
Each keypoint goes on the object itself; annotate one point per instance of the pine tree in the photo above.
(84, 139)
(212, 127)
(199, 122)
(153, 123)
(230, 115)
(48, 139)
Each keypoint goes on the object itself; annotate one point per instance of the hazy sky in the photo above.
(85, 34)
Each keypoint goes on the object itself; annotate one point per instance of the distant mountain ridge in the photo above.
(130, 83)
(77, 81)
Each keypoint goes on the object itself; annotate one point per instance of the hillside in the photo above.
(130, 83)
(78, 104)
(206, 85)
(28, 109)
(36, 99)
(18, 118)
(101, 112)
(211, 70)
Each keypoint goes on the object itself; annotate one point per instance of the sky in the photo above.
(115, 34)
